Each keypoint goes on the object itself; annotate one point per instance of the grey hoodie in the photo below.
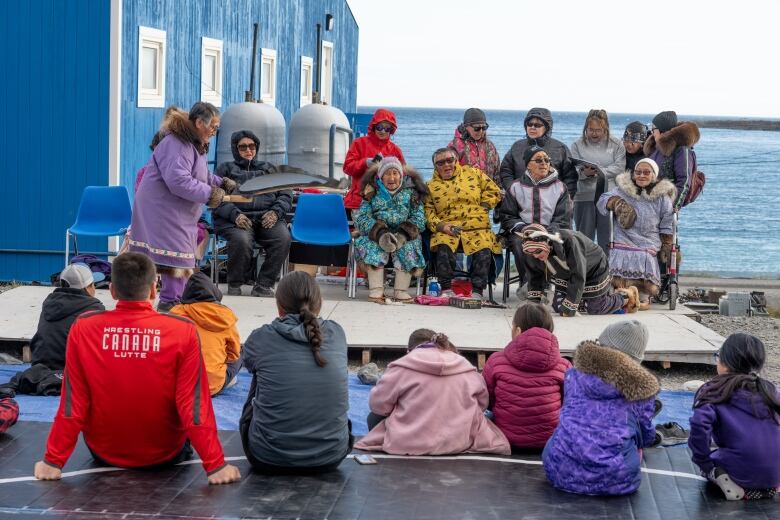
(299, 410)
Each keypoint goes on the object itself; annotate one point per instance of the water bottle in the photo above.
(434, 289)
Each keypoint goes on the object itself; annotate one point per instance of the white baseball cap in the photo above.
(76, 276)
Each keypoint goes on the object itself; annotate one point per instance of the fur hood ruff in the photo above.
(412, 179)
(617, 369)
(684, 134)
(652, 192)
(177, 122)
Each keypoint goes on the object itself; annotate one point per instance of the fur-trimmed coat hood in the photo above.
(652, 192)
(177, 122)
(684, 134)
(412, 179)
(617, 370)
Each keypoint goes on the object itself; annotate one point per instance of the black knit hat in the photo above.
(665, 121)
(531, 151)
(473, 116)
(635, 131)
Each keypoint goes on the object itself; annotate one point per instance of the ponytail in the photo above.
(298, 293)
(313, 333)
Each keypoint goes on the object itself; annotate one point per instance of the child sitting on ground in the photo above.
(295, 417)
(433, 401)
(525, 380)
(606, 419)
(740, 411)
(219, 339)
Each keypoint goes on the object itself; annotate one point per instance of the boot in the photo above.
(402, 281)
(376, 284)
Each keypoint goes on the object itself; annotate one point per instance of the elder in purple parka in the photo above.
(607, 417)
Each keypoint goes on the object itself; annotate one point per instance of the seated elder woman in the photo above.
(643, 234)
(457, 209)
(390, 220)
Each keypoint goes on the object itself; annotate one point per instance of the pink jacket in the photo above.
(525, 383)
(435, 401)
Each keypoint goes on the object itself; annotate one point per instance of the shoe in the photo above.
(234, 291)
(522, 292)
(670, 433)
(263, 292)
(166, 306)
(731, 490)
(233, 382)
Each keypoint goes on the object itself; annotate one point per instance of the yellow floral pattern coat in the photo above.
(463, 200)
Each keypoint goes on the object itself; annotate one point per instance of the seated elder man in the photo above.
(457, 209)
(135, 385)
(577, 268)
(261, 221)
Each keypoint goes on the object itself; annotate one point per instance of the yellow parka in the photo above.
(463, 200)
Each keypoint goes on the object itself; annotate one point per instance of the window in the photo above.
(151, 67)
(326, 75)
(307, 66)
(268, 76)
(211, 71)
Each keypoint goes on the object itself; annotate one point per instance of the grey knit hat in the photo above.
(473, 116)
(665, 121)
(629, 337)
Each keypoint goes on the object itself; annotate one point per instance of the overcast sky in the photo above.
(695, 57)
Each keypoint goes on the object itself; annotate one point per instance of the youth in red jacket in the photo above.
(365, 148)
(525, 384)
(135, 385)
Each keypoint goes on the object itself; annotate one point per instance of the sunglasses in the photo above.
(442, 162)
(480, 128)
(245, 147)
(384, 128)
(643, 172)
(542, 160)
(634, 137)
(535, 125)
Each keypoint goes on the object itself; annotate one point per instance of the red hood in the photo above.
(535, 350)
(381, 114)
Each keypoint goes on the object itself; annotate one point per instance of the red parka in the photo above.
(367, 147)
(525, 384)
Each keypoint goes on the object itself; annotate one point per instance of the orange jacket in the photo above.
(219, 340)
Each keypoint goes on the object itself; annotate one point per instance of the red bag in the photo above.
(695, 183)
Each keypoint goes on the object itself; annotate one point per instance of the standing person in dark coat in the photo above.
(671, 147)
(538, 131)
(262, 220)
(74, 296)
(634, 138)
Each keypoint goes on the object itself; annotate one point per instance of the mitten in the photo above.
(388, 242)
(377, 229)
(625, 213)
(409, 230)
(217, 194)
(400, 239)
(229, 185)
(666, 248)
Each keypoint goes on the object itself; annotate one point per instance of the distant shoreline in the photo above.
(740, 124)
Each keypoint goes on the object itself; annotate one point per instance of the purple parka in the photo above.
(607, 417)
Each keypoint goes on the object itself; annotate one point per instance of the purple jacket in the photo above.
(748, 440)
(607, 416)
(673, 163)
(169, 203)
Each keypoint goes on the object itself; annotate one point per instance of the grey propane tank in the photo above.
(264, 120)
(309, 140)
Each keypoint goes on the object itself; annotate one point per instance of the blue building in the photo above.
(89, 80)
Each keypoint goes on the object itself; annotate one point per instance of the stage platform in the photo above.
(462, 487)
(674, 335)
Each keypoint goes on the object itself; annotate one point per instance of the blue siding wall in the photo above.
(288, 26)
(54, 133)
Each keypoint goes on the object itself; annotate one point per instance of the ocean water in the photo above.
(733, 228)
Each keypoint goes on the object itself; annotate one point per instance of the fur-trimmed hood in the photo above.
(617, 370)
(412, 179)
(684, 134)
(654, 190)
(177, 122)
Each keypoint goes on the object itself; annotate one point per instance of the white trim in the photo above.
(115, 104)
(213, 48)
(155, 39)
(268, 57)
(323, 74)
(307, 66)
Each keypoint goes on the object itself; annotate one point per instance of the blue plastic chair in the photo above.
(104, 211)
(320, 220)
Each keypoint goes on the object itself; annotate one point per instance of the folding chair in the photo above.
(104, 211)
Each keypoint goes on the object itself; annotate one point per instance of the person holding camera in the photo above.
(458, 213)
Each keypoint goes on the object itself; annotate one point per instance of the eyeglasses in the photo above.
(542, 160)
(442, 162)
(595, 131)
(643, 172)
(384, 128)
(535, 125)
(245, 147)
(480, 128)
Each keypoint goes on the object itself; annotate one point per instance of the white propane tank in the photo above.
(309, 140)
(264, 120)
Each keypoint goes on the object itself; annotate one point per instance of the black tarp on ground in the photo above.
(393, 489)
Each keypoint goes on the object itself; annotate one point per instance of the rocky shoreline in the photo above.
(741, 124)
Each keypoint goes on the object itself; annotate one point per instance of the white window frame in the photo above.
(211, 47)
(307, 63)
(268, 56)
(149, 37)
(329, 101)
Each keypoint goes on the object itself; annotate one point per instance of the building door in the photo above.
(326, 74)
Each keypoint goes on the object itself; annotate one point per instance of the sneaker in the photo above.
(233, 382)
(522, 292)
(670, 434)
(234, 291)
(166, 306)
(265, 292)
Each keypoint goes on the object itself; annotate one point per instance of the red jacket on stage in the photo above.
(135, 385)
(367, 147)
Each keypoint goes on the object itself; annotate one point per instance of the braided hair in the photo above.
(744, 355)
(298, 293)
